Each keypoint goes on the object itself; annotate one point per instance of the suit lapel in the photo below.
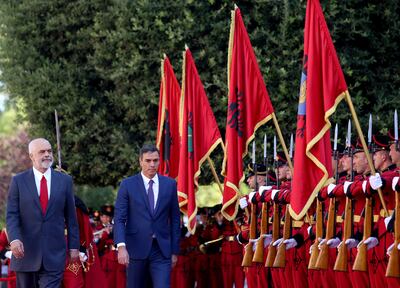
(30, 182)
(53, 190)
(161, 194)
(143, 191)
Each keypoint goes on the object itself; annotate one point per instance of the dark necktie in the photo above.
(150, 194)
(44, 194)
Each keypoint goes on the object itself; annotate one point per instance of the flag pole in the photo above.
(279, 132)
(215, 175)
(365, 148)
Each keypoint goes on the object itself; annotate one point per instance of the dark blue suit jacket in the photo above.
(43, 236)
(135, 225)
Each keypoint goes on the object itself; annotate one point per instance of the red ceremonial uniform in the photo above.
(87, 274)
(115, 273)
(182, 275)
(357, 278)
(4, 247)
(231, 256)
(377, 256)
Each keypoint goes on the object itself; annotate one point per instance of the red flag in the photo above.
(168, 121)
(322, 88)
(249, 107)
(199, 137)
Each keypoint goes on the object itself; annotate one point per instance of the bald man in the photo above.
(40, 206)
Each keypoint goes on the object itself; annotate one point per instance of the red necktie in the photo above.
(44, 194)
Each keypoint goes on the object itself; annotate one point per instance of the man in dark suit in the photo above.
(147, 224)
(40, 206)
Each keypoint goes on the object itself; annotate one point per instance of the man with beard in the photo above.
(40, 206)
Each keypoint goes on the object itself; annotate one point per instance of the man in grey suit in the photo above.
(147, 223)
(40, 206)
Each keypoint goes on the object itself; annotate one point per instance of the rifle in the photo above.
(259, 253)
(360, 263)
(276, 219)
(341, 259)
(318, 235)
(393, 267)
(322, 261)
(280, 259)
(323, 257)
(248, 254)
(269, 262)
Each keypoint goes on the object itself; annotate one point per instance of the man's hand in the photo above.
(290, 243)
(371, 242)
(8, 254)
(243, 203)
(333, 243)
(375, 181)
(82, 257)
(73, 255)
(267, 239)
(174, 259)
(123, 256)
(17, 249)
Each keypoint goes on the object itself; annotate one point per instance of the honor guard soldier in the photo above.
(252, 271)
(115, 272)
(5, 256)
(88, 272)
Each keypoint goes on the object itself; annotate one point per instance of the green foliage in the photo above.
(97, 62)
(95, 197)
(8, 123)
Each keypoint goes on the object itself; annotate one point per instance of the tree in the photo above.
(97, 62)
(14, 158)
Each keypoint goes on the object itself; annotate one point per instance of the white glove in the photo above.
(264, 188)
(333, 243)
(8, 254)
(387, 220)
(252, 242)
(371, 242)
(351, 243)
(375, 181)
(290, 243)
(390, 248)
(82, 257)
(267, 239)
(346, 186)
(251, 195)
(330, 188)
(321, 242)
(277, 242)
(243, 203)
(394, 183)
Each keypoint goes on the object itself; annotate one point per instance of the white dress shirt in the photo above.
(155, 187)
(38, 178)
